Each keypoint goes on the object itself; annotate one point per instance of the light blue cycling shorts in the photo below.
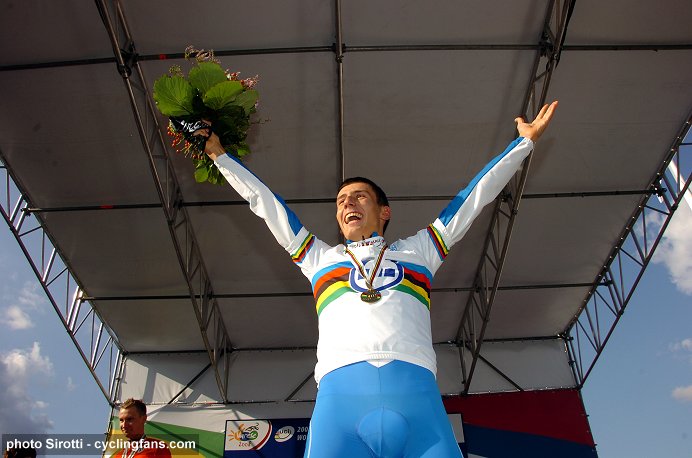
(385, 412)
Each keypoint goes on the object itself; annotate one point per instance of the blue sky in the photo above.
(639, 397)
(629, 397)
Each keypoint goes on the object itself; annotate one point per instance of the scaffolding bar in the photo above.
(330, 200)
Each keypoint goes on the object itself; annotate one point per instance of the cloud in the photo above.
(675, 249)
(17, 367)
(31, 295)
(16, 318)
(30, 298)
(683, 393)
(22, 363)
(682, 349)
(685, 344)
(71, 386)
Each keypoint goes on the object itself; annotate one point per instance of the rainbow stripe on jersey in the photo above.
(332, 282)
(416, 282)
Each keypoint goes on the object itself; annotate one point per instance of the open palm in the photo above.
(533, 130)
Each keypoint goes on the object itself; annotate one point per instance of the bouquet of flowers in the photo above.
(208, 98)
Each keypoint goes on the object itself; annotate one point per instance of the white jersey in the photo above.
(397, 327)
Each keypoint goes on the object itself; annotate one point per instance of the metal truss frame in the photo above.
(477, 310)
(95, 342)
(624, 267)
(212, 328)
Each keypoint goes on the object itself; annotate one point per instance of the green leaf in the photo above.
(206, 75)
(247, 100)
(173, 96)
(222, 94)
(201, 174)
(243, 150)
(215, 177)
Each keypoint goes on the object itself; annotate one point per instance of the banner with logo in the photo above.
(278, 438)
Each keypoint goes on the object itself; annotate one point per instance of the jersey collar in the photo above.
(375, 239)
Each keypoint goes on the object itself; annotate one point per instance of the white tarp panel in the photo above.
(284, 379)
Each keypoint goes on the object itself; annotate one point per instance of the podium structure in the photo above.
(173, 292)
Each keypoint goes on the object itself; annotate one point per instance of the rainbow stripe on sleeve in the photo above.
(438, 242)
(300, 253)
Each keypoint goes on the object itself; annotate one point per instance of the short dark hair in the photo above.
(379, 193)
(140, 406)
(20, 452)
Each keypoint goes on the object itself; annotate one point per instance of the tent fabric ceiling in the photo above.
(421, 122)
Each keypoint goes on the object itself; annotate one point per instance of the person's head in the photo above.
(20, 452)
(133, 416)
(361, 209)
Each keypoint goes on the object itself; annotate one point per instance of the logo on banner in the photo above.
(247, 435)
(284, 434)
(390, 275)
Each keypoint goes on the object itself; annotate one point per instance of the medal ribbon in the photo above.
(361, 267)
(135, 449)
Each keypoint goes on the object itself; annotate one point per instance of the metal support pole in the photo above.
(339, 50)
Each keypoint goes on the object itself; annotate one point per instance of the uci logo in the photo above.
(390, 275)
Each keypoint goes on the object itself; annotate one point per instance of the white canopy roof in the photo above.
(428, 91)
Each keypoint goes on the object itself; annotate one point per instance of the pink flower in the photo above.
(249, 83)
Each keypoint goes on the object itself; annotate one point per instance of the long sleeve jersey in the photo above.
(397, 327)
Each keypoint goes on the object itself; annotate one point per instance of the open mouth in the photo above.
(353, 216)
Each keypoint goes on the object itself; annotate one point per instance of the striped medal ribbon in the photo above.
(370, 295)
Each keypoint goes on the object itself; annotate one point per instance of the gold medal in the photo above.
(370, 296)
